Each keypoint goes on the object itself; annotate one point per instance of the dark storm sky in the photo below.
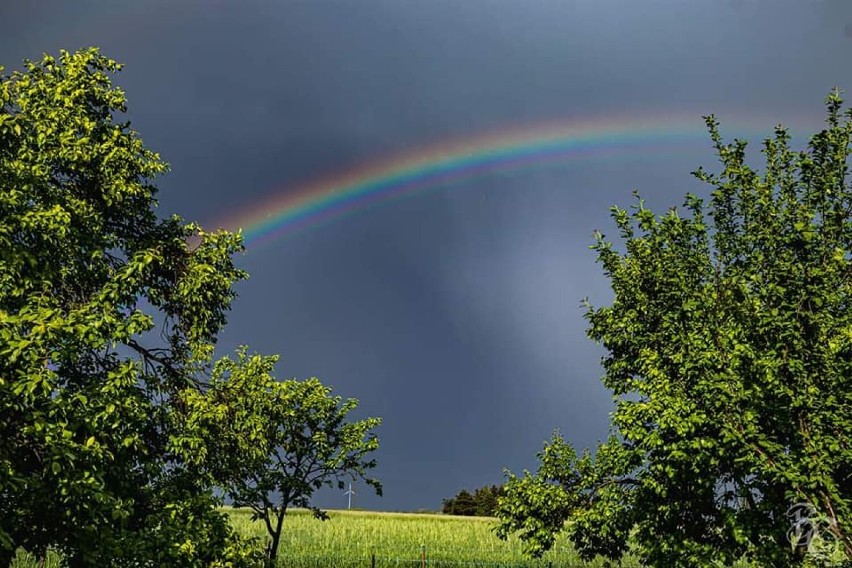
(454, 315)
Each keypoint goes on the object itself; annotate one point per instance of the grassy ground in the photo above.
(351, 538)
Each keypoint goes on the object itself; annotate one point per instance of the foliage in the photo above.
(271, 444)
(729, 357)
(482, 503)
(566, 485)
(461, 503)
(90, 395)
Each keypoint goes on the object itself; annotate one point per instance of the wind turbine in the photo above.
(350, 493)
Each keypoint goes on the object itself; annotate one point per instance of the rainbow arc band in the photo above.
(315, 203)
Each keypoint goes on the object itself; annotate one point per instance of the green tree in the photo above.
(461, 503)
(482, 503)
(729, 357)
(486, 500)
(90, 393)
(271, 444)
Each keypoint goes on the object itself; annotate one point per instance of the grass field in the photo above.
(351, 538)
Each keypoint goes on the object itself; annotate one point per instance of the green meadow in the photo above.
(353, 538)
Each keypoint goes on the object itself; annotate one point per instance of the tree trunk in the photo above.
(276, 539)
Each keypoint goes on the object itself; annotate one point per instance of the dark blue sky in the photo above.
(454, 315)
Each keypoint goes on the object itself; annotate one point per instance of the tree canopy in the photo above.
(89, 389)
(729, 345)
(271, 444)
(109, 316)
(481, 503)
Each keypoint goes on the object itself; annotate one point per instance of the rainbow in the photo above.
(439, 165)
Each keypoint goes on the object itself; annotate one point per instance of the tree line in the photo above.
(481, 503)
